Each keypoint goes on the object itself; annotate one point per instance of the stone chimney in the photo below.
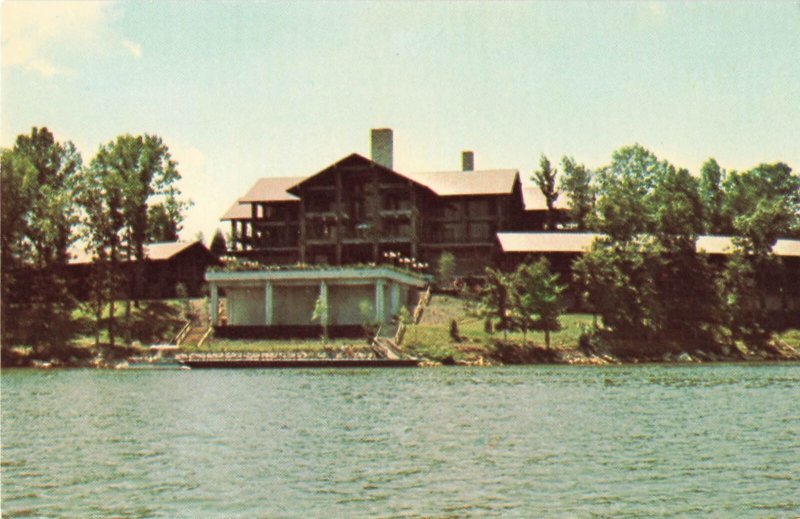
(467, 161)
(382, 147)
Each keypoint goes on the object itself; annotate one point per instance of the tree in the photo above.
(320, 314)
(493, 300)
(536, 296)
(446, 268)
(712, 195)
(144, 176)
(39, 177)
(101, 196)
(576, 185)
(163, 221)
(624, 188)
(545, 178)
(218, 246)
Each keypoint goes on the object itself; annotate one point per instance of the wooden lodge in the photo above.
(358, 209)
(167, 265)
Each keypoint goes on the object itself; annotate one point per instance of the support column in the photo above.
(394, 297)
(323, 295)
(268, 314)
(380, 313)
(214, 310)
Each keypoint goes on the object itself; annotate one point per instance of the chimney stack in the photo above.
(382, 147)
(467, 161)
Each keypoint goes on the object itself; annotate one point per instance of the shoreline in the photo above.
(531, 355)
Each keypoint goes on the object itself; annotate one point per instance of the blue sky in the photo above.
(241, 90)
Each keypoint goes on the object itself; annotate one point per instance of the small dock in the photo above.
(300, 363)
(261, 360)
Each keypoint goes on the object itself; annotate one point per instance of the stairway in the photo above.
(199, 328)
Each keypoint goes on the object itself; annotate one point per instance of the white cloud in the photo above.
(34, 32)
(134, 48)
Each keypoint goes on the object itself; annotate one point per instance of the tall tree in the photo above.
(576, 184)
(545, 178)
(712, 177)
(101, 195)
(623, 191)
(39, 176)
(146, 175)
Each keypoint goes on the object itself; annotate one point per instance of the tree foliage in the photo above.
(536, 298)
(545, 178)
(218, 245)
(576, 184)
(446, 268)
(39, 178)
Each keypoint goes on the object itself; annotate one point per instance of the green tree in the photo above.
(446, 268)
(145, 175)
(163, 221)
(624, 189)
(494, 299)
(545, 178)
(320, 314)
(39, 177)
(101, 196)
(712, 177)
(576, 184)
(218, 246)
(536, 298)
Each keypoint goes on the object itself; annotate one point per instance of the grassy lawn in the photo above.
(790, 337)
(153, 321)
(431, 338)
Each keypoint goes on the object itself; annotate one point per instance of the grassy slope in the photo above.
(431, 338)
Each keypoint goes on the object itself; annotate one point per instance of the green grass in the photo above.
(790, 337)
(431, 338)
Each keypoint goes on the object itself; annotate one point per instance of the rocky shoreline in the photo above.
(501, 353)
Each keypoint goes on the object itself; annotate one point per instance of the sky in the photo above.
(243, 90)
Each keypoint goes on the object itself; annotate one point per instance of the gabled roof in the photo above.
(534, 200)
(464, 183)
(238, 211)
(153, 251)
(272, 189)
(353, 157)
(579, 242)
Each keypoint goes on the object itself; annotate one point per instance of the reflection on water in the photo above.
(556, 441)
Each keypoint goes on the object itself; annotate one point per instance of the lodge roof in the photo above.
(533, 199)
(272, 189)
(238, 211)
(579, 242)
(153, 251)
(466, 183)
(444, 183)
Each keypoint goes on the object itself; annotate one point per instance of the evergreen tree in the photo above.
(218, 246)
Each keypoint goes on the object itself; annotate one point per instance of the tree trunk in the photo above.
(547, 338)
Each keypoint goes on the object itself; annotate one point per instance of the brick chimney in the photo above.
(382, 151)
(467, 161)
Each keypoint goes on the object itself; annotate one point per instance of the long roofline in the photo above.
(580, 242)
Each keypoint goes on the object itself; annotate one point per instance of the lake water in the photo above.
(534, 441)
